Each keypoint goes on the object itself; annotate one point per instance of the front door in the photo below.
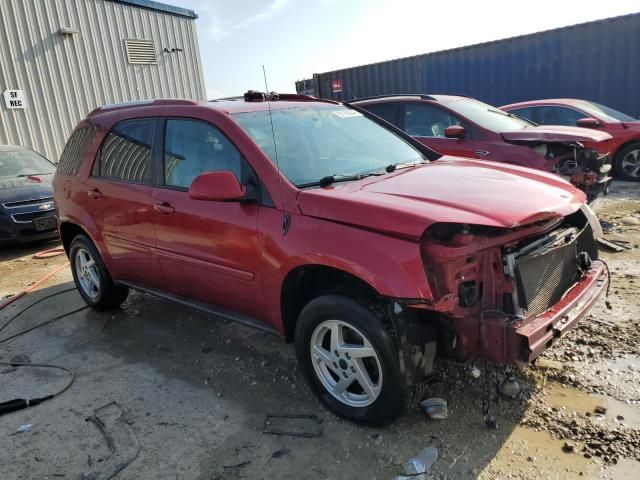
(207, 250)
(120, 199)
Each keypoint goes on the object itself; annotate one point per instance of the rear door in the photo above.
(120, 197)
(427, 123)
(208, 250)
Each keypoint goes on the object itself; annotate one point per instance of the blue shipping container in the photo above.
(597, 61)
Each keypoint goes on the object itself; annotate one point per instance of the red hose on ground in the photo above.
(54, 252)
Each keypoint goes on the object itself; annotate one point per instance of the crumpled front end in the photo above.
(509, 293)
(585, 166)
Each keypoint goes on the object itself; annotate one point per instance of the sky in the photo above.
(294, 39)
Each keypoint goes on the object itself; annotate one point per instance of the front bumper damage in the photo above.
(502, 295)
(511, 341)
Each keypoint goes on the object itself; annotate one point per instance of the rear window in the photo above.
(75, 150)
(126, 152)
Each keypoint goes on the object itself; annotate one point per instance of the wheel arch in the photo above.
(68, 231)
(307, 281)
(624, 145)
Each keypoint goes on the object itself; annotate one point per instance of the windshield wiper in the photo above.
(330, 179)
(395, 166)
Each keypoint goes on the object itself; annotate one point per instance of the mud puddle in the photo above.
(615, 411)
(532, 454)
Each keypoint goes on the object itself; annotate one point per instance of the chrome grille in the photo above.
(28, 203)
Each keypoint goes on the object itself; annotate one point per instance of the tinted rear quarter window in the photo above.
(126, 152)
(75, 150)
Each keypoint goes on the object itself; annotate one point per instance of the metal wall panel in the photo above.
(597, 61)
(66, 76)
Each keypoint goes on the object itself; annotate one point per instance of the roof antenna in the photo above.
(286, 221)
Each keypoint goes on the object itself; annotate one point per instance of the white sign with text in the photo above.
(14, 99)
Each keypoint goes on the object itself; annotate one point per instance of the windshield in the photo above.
(320, 140)
(487, 116)
(605, 113)
(22, 163)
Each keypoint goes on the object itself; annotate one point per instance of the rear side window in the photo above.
(526, 113)
(126, 152)
(193, 147)
(75, 150)
(386, 111)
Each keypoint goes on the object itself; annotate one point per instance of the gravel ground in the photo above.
(195, 392)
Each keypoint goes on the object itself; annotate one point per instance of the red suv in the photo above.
(328, 226)
(463, 126)
(625, 129)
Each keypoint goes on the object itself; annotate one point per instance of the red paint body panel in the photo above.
(238, 254)
(448, 190)
(555, 133)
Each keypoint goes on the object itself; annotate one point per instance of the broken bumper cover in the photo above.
(521, 341)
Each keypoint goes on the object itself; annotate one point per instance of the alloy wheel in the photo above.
(87, 273)
(346, 363)
(631, 163)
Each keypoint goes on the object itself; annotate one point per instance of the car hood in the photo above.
(25, 188)
(555, 133)
(450, 190)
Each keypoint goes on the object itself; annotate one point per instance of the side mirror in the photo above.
(455, 131)
(588, 122)
(220, 186)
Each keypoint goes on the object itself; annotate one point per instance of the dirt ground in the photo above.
(180, 394)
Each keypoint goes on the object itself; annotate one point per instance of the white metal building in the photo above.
(60, 59)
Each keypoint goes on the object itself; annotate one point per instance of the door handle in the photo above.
(164, 207)
(95, 193)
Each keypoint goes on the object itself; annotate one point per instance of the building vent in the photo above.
(140, 51)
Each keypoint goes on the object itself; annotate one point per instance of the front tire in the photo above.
(92, 278)
(627, 162)
(350, 359)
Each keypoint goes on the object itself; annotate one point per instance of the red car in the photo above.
(330, 227)
(462, 126)
(625, 130)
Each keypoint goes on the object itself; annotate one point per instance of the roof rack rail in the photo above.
(141, 103)
(395, 95)
(257, 96)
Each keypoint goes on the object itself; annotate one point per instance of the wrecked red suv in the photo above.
(326, 225)
(463, 126)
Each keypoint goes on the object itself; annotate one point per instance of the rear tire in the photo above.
(627, 162)
(92, 278)
(356, 373)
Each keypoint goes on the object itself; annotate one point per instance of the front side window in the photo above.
(193, 147)
(309, 143)
(126, 152)
(551, 115)
(424, 120)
